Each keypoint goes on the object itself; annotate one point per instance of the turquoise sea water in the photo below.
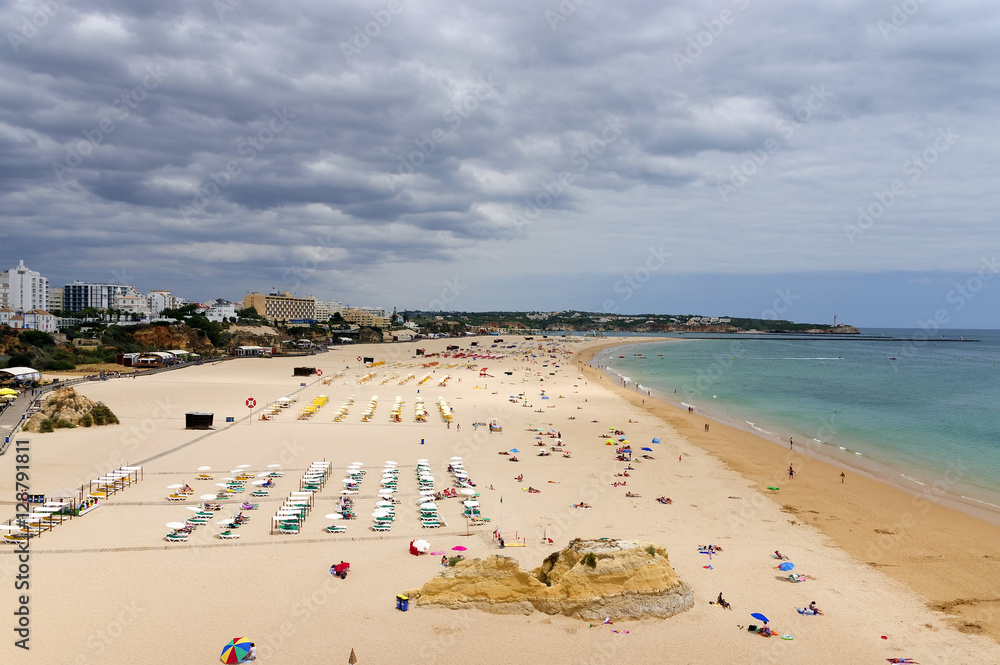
(931, 416)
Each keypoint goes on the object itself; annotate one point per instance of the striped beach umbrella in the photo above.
(236, 650)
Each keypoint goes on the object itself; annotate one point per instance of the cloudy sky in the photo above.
(736, 157)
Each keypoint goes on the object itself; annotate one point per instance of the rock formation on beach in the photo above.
(589, 579)
(65, 408)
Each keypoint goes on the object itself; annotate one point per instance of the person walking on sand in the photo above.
(841, 476)
(791, 444)
(791, 472)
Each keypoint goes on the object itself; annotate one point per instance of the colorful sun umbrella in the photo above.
(759, 617)
(459, 548)
(236, 650)
(788, 565)
(514, 450)
(656, 439)
(649, 449)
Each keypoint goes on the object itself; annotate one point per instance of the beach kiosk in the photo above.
(195, 420)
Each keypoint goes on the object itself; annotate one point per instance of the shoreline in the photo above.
(947, 555)
(944, 491)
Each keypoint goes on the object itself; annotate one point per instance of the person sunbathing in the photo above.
(814, 608)
(766, 631)
(581, 505)
(514, 459)
(721, 602)
(779, 555)
(519, 478)
(664, 500)
(532, 490)
(632, 495)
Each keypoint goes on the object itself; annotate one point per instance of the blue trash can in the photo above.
(402, 603)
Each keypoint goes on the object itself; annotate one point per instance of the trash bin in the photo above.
(402, 603)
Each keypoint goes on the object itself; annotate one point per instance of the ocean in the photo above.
(919, 413)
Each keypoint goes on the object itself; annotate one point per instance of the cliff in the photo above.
(589, 579)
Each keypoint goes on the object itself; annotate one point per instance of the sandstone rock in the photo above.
(628, 580)
(65, 407)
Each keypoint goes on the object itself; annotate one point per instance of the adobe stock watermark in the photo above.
(899, 17)
(740, 174)
(118, 110)
(29, 26)
(248, 148)
(455, 116)
(958, 297)
(915, 167)
(632, 282)
(363, 35)
(582, 159)
(564, 10)
(699, 42)
(449, 294)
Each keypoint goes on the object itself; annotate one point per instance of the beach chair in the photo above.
(336, 529)
(229, 535)
(176, 537)
(379, 526)
(176, 497)
(288, 528)
(259, 493)
(15, 539)
(430, 524)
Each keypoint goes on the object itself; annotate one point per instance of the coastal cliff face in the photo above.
(177, 336)
(589, 579)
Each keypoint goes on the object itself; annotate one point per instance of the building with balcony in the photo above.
(282, 306)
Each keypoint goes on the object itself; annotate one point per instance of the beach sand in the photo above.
(107, 588)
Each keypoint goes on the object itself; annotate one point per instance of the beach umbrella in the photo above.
(421, 545)
(429, 506)
(175, 486)
(381, 513)
(273, 466)
(176, 525)
(207, 497)
(263, 474)
(786, 566)
(334, 516)
(236, 650)
(384, 504)
(424, 499)
(759, 617)
(7, 391)
(204, 468)
(468, 491)
(390, 462)
(348, 492)
(459, 548)
(243, 466)
(649, 449)
(656, 439)
(514, 450)
(455, 459)
(193, 509)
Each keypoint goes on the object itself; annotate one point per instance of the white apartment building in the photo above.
(159, 300)
(220, 310)
(132, 303)
(26, 289)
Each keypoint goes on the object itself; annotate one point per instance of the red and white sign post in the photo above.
(251, 403)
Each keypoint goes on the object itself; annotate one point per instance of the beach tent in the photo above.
(21, 374)
(656, 439)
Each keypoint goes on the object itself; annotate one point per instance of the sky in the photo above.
(735, 157)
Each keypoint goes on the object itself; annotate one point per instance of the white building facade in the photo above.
(26, 289)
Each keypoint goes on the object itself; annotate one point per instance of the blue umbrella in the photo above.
(759, 617)
(656, 439)
(649, 449)
(514, 450)
(788, 565)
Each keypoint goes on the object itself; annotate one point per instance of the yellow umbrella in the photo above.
(7, 391)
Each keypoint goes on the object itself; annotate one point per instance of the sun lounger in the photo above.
(288, 528)
(336, 529)
(229, 535)
(176, 537)
(380, 527)
(429, 524)
(14, 539)
(259, 493)
(205, 476)
(176, 497)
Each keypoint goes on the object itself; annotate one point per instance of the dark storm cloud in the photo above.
(227, 142)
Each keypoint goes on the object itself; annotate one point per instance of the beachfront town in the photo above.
(29, 302)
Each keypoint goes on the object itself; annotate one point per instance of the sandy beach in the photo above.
(107, 588)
